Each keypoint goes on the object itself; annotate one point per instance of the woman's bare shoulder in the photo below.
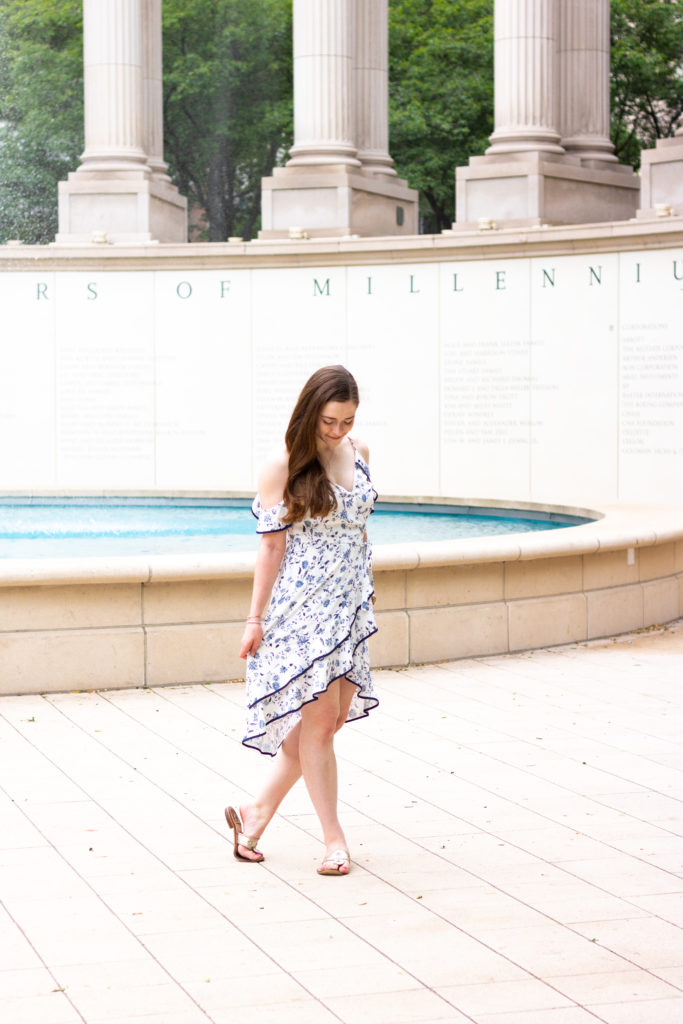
(272, 479)
(363, 449)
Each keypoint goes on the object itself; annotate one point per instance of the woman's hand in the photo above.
(251, 639)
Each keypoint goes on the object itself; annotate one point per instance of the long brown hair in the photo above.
(308, 490)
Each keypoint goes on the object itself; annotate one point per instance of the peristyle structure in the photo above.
(550, 161)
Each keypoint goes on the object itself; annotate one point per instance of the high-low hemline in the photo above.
(368, 699)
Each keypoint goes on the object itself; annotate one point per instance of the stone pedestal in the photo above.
(526, 190)
(121, 192)
(340, 178)
(334, 201)
(661, 172)
(550, 160)
(103, 209)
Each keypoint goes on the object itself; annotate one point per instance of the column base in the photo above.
(530, 189)
(120, 208)
(661, 172)
(335, 201)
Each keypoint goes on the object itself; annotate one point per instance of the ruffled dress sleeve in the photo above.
(269, 520)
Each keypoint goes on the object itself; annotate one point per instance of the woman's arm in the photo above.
(271, 487)
(268, 560)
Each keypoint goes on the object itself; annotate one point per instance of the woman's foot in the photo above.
(335, 862)
(244, 839)
(253, 822)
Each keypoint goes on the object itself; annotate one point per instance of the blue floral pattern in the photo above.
(319, 618)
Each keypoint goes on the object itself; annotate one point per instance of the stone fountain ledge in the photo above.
(512, 242)
(98, 623)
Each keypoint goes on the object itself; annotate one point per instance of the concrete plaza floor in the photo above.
(516, 826)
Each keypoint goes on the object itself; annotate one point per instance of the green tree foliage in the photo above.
(228, 109)
(41, 112)
(647, 74)
(441, 95)
(227, 104)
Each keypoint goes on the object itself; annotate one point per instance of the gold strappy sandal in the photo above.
(339, 858)
(239, 838)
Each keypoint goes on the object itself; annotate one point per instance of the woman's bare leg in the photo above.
(320, 720)
(287, 769)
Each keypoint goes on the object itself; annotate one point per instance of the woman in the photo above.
(307, 663)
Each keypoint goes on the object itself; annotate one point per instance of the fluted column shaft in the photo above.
(584, 86)
(371, 85)
(113, 86)
(525, 77)
(323, 83)
(152, 87)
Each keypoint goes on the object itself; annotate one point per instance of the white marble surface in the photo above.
(484, 377)
(573, 359)
(651, 379)
(509, 386)
(104, 385)
(397, 362)
(27, 381)
(204, 379)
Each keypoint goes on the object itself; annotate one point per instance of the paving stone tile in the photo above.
(412, 1005)
(625, 986)
(486, 855)
(563, 1015)
(661, 1011)
(504, 996)
(54, 1008)
(647, 942)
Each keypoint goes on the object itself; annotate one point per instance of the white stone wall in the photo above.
(553, 378)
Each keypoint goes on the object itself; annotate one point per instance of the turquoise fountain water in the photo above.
(55, 528)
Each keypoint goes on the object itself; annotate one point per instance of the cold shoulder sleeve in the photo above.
(269, 520)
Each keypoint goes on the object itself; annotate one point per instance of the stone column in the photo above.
(371, 86)
(323, 83)
(152, 88)
(328, 188)
(525, 80)
(113, 86)
(584, 87)
(121, 192)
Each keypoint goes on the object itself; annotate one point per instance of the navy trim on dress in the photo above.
(371, 702)
(320, 657)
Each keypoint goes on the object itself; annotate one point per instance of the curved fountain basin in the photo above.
(152, 620)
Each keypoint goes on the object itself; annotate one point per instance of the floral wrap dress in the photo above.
(319, 618)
